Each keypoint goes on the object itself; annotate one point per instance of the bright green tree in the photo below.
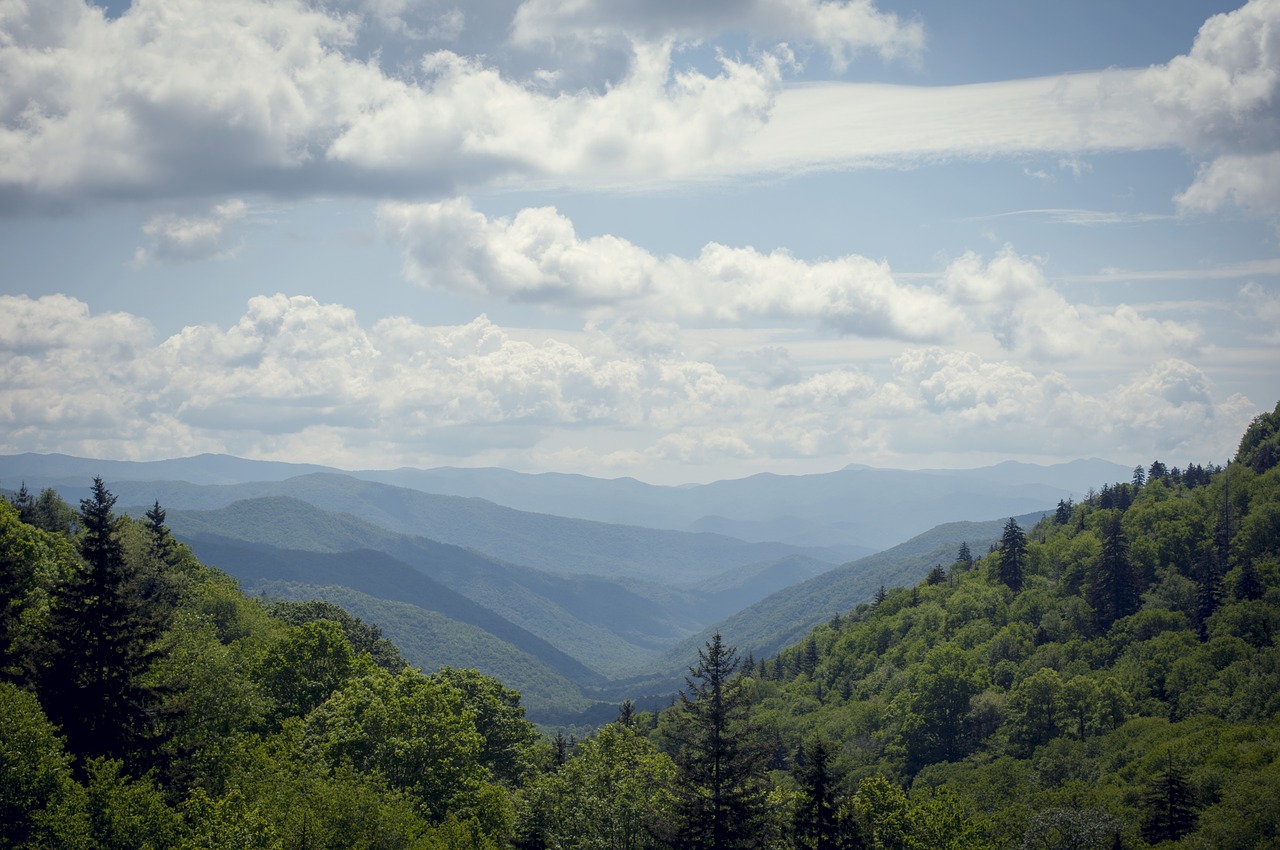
(614, 794)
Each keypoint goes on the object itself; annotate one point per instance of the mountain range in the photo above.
(561, 603)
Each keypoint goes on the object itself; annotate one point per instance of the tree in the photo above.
(614, 794)
(937, 575)
(507, 738)
(363, 637)
(1139, 476)
(97, 644)
(721, 791)
(964, 556)
(1169, 810)
(1012, 555)
(820, 823)
(1248, 584)
(947, 680)
(1113, 592)
(17, 577)
(161, 544)
(414, 731)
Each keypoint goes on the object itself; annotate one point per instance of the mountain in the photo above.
(542, 541)
(783, 618)
(608, 625)
(850, 512)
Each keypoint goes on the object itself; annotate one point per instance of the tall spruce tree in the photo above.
(819, 822)
(1113, 592)
(722, 764)
(98, 642)
(1169, 809)
(1011, 557)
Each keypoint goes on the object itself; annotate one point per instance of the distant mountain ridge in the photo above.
(852, 511)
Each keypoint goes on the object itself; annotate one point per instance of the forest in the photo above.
(1106, 678)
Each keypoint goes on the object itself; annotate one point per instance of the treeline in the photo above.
(1108, 678)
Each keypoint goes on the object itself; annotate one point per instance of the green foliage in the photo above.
(615, 793)
(413, 731)
(35, 771)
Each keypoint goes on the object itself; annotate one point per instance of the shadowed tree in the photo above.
(97, 643)
(720, 791)
(1169, 810)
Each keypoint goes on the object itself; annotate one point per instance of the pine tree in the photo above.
(818, 822)
(722, 764)
(1248, 585)
(97, 642)
(964, 556)
(1169, 810)
(161, 545)
(1114, 592)
(1012, 555)
(25, 504)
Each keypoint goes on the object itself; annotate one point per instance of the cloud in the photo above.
(1224, 96)
(178, 238)
(293, 374)
(1010, 297)
(843, 28)
(185, 99)
(536, 256)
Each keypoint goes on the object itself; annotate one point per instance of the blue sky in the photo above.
(674, 241)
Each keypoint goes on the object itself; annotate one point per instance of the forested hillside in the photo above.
(1107, 677)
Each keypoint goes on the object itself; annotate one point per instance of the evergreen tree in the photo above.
(809, 657)
(1169, 810)
(1062, 514)
(161, 544)
(25, 504)
(1113, 592)
(818, 822)
(937, 575)
(1139, 477)
(721, 786)
(1012, 555)
(1248, 585)
(964, 556)
(98, 642)
(881, 595)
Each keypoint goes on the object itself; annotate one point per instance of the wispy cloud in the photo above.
(1083, 218)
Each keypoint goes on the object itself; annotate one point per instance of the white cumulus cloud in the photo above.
(177, 238)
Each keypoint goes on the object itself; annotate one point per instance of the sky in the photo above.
(675, 241)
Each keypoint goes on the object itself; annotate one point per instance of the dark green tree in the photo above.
(50, 513)
(1011, 557)
(819, 821)
(937, 575)
(881, 595)
(1248, 584)
(720, 789)
(1139, 476)
(1169, 810)
(1113, 593)
(160, 544)
(964, 556)
(98, 643)
(25, 504)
